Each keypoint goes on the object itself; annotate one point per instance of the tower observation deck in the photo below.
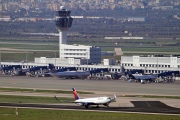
(63, 22)
(73, 53)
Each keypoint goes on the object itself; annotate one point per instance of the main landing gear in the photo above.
(107, 104)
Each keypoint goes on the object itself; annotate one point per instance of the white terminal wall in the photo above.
(92, 53)
(137, 61)
(63, 61)
(110, 61)
(51, 60)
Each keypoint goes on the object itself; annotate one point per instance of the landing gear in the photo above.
(86, 105)
(107, 104)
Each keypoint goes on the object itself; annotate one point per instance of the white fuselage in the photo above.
(94, 101)
(77, 74)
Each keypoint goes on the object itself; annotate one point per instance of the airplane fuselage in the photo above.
(94, 101)
(73, 74)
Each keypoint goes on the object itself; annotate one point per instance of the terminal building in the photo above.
(151, 64)
(75, 55)
(92, 53)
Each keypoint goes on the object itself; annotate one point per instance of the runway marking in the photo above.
(92, 110)
(148, 104)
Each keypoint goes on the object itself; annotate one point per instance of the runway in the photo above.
(150, 107)
(100, 88)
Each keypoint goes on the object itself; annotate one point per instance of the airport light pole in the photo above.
(87, 60)
(55, 58)
(0, 58)
(145, 70)
(27, 57)
(157, 64)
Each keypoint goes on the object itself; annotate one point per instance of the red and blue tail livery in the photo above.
(90, 101)
(76, 96)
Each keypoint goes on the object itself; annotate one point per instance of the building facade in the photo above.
(91, 53)
(151, 64)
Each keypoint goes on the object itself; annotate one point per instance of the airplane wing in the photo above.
(67, 101)
(113, 99)
(144, 77)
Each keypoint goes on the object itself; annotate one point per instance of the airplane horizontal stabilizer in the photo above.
(56, 98)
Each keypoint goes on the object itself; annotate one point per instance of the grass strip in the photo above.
(32, 99)
(39, 114)
(40, 91)
(151, 96)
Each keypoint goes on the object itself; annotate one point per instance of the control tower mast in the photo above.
(63, 22)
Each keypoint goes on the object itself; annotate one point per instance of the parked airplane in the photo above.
(139, 77)
(67, 72)
(52, 69)
(91, 101)
(71, 74)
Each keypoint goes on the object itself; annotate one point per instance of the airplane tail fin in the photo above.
(76, 96)
(52, 67)
(114, 98)
(56, 98)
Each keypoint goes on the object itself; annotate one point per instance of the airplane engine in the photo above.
(80, 104)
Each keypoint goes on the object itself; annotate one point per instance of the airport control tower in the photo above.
(63, 22)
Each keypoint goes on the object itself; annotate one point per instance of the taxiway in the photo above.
(100, 88)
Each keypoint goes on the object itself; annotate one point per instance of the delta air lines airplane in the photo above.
(91, 101)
